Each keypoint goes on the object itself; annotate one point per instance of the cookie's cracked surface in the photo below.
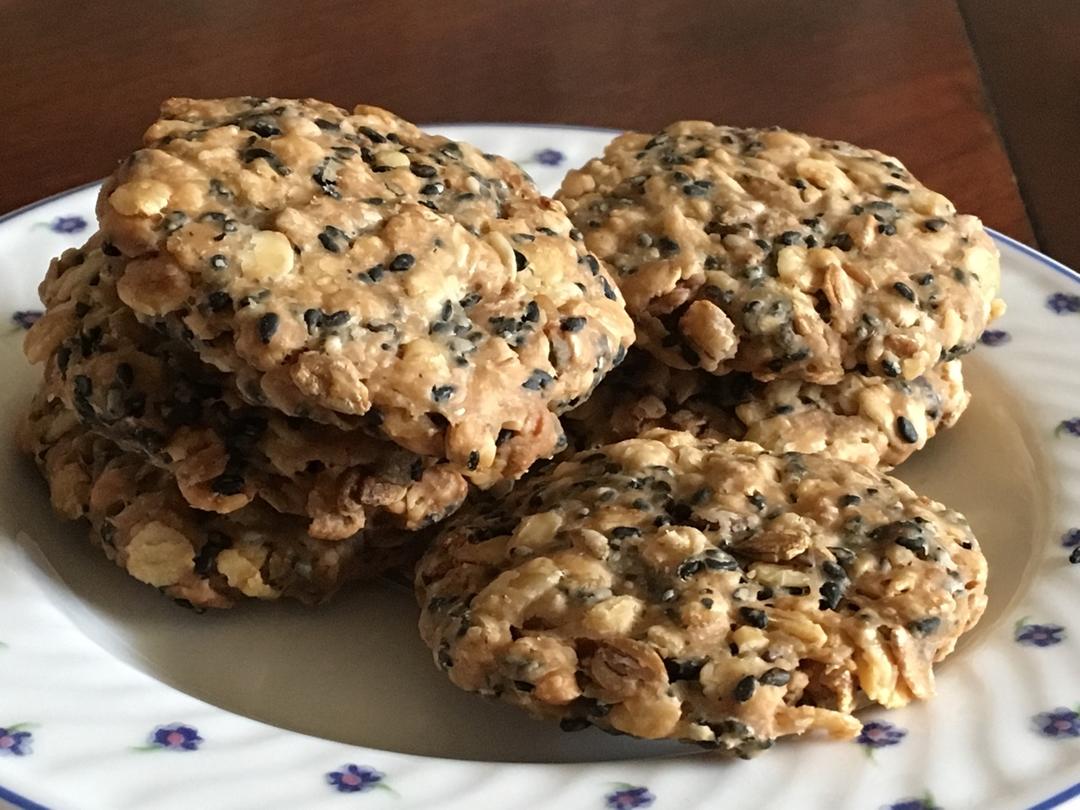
(706, 591)
(350, 266)
(783, 255)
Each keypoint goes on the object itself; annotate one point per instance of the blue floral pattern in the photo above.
(879, 734)
(174, 737)
(628, 797)
(1063, 303)
(1039, 635)
(68, 224)
(926, 803)
(355, 778)
(1058, 723)
(14, 741)
(25, 318)
(994, 337)
(549, 157)
(1068, 426)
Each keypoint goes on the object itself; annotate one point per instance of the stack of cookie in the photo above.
(723, 562)
(297, 340)
(807, 295)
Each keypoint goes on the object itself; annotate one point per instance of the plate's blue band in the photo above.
(21, 802)
(1058, 799)
(1054, 801)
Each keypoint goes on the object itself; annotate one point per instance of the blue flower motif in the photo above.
(879, 734)
(629, 797)
(1039, 635)
(1061, 303)
(355, 778)
(994, 337)
(549, 157)
(913, 804)
(175, 737)
(25, 318)
(1070, 426)
(15, 743)
(1059, 723)
(1071, 538)
(72, 224)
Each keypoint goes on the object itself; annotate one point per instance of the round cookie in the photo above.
(201, 559)
(783, 255)
(351, 266)
(705, 591)
(151, 395)
(865, 420)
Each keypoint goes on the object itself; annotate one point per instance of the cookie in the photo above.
(866, 420)
(352, 267)
(152, 396)
(699, 590)
(783, 255)
(201, 559)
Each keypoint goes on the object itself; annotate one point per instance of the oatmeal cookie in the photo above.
(866, 420)
(151, 395)
(783, 255)
(139, 519)
(699, 590)
(350, 266)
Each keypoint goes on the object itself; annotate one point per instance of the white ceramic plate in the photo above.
(112, 697)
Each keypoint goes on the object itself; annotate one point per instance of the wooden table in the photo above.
(969, 93)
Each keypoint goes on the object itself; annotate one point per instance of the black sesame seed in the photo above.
(831, 594)
(754, 617)
(520, 260)
(842, 241)
(924, 627)
(775, 677)
(707, 603)
(934, 225)
(402, 262)
(1074, 556)
(327, 126)
(694, 190)
(372, 135)
(890, 367)
(425, 170)
(335, 319)
(332, 238)
(219, 262)
(109, 249)
(904, 291)
(906, 430)
(677, 670)
(218, 300)
(895, 189)
(537, 381)
(474, 460)
(623, 532)
(249, 155)
(744, 689)
(373, 274)
(227, 484)
(832, 570)
(789, 238)
(441, 393)
(267, 326)
(313, 319)
(849, 500)
(887, 229)
(532, 312)
(432, 189)
(667, 246)
(757, 499)
(926, 279)
(574, 323)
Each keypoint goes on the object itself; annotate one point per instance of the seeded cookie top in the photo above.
(151, 395)
(707, 591)
(783, 255)
(866, 420)
(359, 266)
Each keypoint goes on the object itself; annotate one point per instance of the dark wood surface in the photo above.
(80, 81)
